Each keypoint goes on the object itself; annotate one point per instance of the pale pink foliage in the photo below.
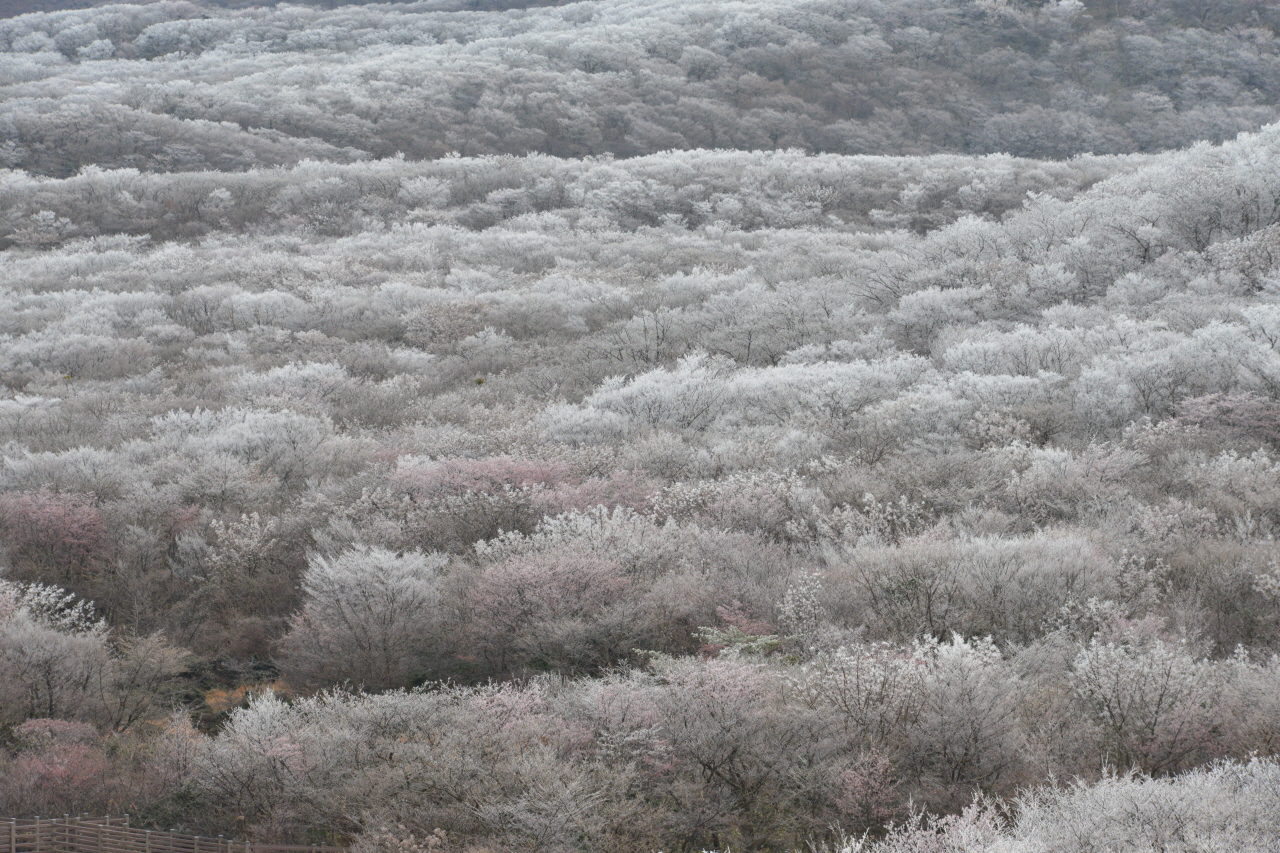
(1243, 415)
(454, 502)
(42, 734)
(60, 767)
(552, 486)
(867, 795)
(51, 533)
(627, 489)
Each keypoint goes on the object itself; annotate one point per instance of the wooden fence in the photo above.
(114, 835)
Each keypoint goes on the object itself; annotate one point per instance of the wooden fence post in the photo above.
(113, 834)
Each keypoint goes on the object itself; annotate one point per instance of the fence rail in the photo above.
(114, 835)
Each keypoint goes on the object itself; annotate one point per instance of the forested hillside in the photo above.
(439, 430)
(177, 85)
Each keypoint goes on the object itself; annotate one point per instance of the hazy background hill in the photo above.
(14, 8)
(181, 85)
